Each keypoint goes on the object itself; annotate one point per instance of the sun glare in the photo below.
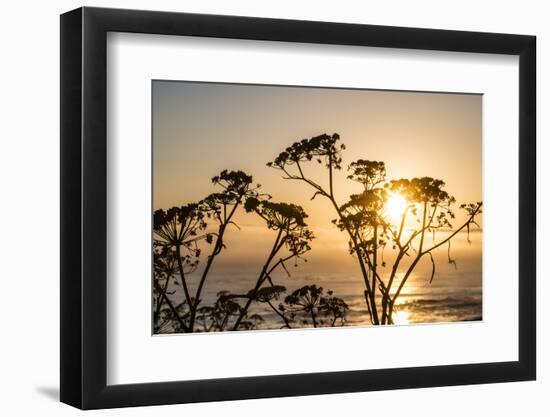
(401, 317)
(395, 206)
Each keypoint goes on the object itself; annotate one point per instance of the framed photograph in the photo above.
(259, 208)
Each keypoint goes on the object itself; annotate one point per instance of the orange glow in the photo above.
(395, 207)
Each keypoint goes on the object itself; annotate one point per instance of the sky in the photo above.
(199, 129)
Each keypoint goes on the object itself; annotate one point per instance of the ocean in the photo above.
(455, 294)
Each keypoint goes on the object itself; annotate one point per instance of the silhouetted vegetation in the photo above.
(189, 238)
(362, 216)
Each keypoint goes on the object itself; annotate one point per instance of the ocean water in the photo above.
(455, 294)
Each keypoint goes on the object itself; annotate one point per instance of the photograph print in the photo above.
(283, 207)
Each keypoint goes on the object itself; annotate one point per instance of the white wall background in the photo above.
(29, 209)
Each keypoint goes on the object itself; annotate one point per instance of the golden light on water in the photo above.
(401, 317)
(395, 206)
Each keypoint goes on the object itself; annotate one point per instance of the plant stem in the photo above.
(182, 275)
(281, 315)
(313, 318)
(160, 296)
(421, 253)
(172, 308)
(261, 278)
(217, 249)
(372, 300)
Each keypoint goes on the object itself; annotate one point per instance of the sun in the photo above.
(395, 206)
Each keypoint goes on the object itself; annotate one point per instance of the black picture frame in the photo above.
(84, 207)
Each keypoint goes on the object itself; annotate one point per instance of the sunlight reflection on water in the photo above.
(401, 317)
(455, 294)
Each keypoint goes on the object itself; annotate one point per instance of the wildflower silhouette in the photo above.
(385, 215)
(362, 217)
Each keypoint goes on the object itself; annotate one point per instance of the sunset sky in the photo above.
(200, 129)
